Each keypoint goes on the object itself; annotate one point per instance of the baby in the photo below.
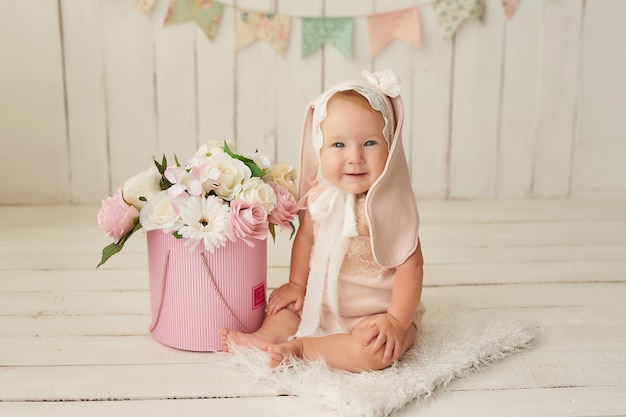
(355, 282)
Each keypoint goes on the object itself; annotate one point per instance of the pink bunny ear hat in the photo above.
(390, 205)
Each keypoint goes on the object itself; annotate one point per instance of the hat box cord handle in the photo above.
(221, 297)
(155, 317)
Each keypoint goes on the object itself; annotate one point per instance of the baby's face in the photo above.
(354, 151)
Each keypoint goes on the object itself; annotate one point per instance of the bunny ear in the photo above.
(309, 164)
(391, 206)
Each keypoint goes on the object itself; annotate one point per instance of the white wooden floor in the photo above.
(74, 340)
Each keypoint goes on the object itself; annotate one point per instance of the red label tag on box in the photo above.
(258, 296)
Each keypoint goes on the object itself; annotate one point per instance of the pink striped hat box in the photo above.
(195, 293)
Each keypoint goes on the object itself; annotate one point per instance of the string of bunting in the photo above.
(383, 28)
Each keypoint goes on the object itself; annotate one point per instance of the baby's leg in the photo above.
(276, 328)
(339, 351)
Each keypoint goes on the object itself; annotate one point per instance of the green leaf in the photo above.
(114, 248)
(162, 166)
(272, 231)
(164, 183)
(109, 251)
(256, 171)
(293, 230)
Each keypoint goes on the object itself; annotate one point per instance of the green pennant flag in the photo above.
(317, 31)
(451, 13)
(207, 14)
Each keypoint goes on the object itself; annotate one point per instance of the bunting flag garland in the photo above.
(205, 13)
(510, 7)
(144, 6)
(272, 28)
(317, 31)
(451, 13)
(383, 28)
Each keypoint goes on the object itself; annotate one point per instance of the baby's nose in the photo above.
(355, 156)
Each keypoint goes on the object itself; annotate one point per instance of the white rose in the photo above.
(261, 161)
(160, 213)
(283, 175)
(213, 147)
(233, 173)
(145, 184)
(256, 191)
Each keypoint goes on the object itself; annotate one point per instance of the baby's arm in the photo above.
(291, 295)
(388, 329)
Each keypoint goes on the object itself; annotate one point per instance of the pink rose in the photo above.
(249, 220)
(116, 216)
(285, 210)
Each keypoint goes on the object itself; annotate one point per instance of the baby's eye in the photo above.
(370, 143)
(338, 145)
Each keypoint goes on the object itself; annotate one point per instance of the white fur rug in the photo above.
(452, 344)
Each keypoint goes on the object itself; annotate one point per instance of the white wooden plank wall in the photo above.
(91, 90)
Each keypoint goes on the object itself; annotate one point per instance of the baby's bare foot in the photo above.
(243, 339)
(224, 339)
(284, 351)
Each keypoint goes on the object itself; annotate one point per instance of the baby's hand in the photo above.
(289, 296)
(385, 331)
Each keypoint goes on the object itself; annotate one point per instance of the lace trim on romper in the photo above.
(359, 259)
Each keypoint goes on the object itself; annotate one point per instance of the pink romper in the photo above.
(364, 287)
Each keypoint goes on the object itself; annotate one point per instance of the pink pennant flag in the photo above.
(400, 24)
(273, 28)
(144, 6)
(510, 7)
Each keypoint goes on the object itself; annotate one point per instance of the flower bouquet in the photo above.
(207, 223)
(215, 197)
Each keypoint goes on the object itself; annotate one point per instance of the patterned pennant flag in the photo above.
(317, 31)
(144, 6)
(385, 27)
(274, 29)
(205, 13)
(451, 13)
(510, 7)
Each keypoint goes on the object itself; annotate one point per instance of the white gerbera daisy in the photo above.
(205, 219)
